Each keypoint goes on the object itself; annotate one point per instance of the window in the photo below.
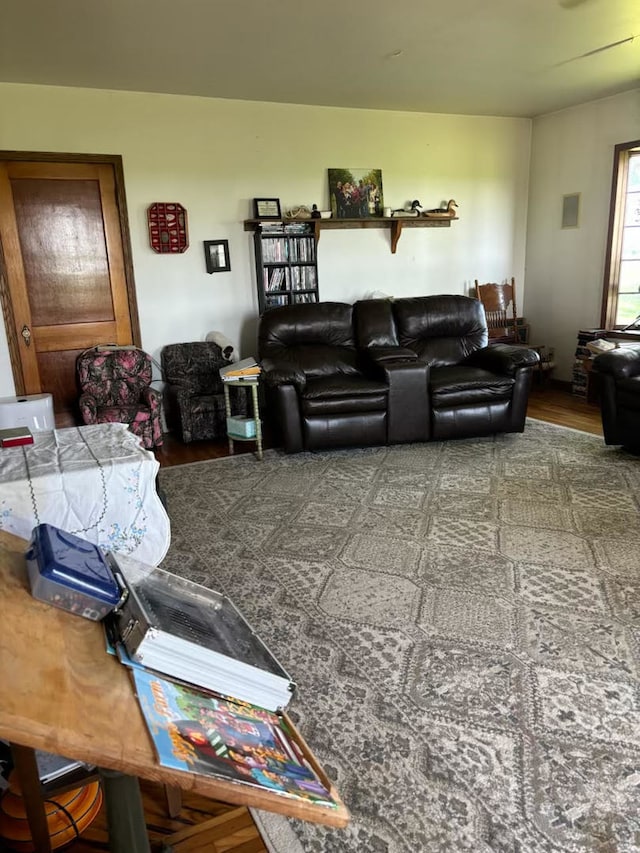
(621, 298)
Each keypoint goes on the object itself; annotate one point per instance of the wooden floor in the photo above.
(229, 829)
(234, 831)
(559, 406)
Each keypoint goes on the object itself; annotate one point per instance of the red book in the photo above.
(15, 436)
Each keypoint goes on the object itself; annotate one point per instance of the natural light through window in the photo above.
(629, 280)
(621, 304)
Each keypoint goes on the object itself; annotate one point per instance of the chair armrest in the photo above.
(622, 363)
(502, 358)
(408, 416)
(151, 398)
(88, 406)
(384, 354)
(289, 419)
(276, 373)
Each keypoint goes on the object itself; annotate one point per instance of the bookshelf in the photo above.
(286, 263)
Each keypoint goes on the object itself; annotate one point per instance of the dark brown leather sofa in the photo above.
(619, 387)
(388, 371)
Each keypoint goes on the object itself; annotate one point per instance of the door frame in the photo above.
(115, 161)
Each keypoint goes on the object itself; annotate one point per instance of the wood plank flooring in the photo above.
(558, 406)
(235, 831)
(230, 829)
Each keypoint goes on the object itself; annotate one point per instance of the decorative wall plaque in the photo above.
(168, 233)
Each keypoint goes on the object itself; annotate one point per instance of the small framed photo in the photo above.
(266, 208)
(216, 255)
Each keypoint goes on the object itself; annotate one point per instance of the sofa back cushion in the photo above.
(195, 366)
(374, 324)
(315, 338)
(115, 377)
(442, 330)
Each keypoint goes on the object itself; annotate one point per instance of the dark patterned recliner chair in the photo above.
(619, 387)
(115, 387)
(194, 397)
(387, 371)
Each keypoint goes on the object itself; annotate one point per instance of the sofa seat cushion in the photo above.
(628, 391)
(124, 414)
(343, 394)
(458, 385)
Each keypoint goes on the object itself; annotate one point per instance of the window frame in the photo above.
(621, 158)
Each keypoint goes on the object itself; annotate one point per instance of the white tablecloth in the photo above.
(95, 481)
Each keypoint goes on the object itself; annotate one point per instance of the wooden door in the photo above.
(66, 284)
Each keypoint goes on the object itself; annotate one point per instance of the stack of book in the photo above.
(246, 370)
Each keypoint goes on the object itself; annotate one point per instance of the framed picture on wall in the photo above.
(216, 255)
(266, 208)
(355, 193)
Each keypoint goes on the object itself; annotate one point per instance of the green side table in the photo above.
(252, 383)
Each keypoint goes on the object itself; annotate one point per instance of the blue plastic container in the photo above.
(70, 573)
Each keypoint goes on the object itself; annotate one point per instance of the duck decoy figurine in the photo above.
(448, 212)
(413, 210)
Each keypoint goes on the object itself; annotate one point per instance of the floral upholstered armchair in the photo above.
(115, 387)
(194, 392)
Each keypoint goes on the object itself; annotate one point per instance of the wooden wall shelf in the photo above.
(394, 225)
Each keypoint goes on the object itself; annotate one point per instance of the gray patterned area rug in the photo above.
(463, 623)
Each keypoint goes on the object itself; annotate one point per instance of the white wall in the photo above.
(572, 152)
(215, 156)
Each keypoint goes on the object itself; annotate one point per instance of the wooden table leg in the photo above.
(173, 798)
(24, 760)
(125, 814)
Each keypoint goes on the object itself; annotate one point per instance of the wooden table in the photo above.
(63, 693)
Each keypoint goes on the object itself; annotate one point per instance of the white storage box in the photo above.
(34, 411)
(244, 427)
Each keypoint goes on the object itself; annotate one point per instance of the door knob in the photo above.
(26, 334)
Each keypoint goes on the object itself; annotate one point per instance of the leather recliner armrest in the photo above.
(289, 418)
(384, 354)
(408, 415)
(622, 363)
(275, 374)
(503, 359)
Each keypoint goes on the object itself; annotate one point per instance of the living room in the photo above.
(215, 155)
(214, 151)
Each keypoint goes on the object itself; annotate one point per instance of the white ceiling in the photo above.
(481, 57)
